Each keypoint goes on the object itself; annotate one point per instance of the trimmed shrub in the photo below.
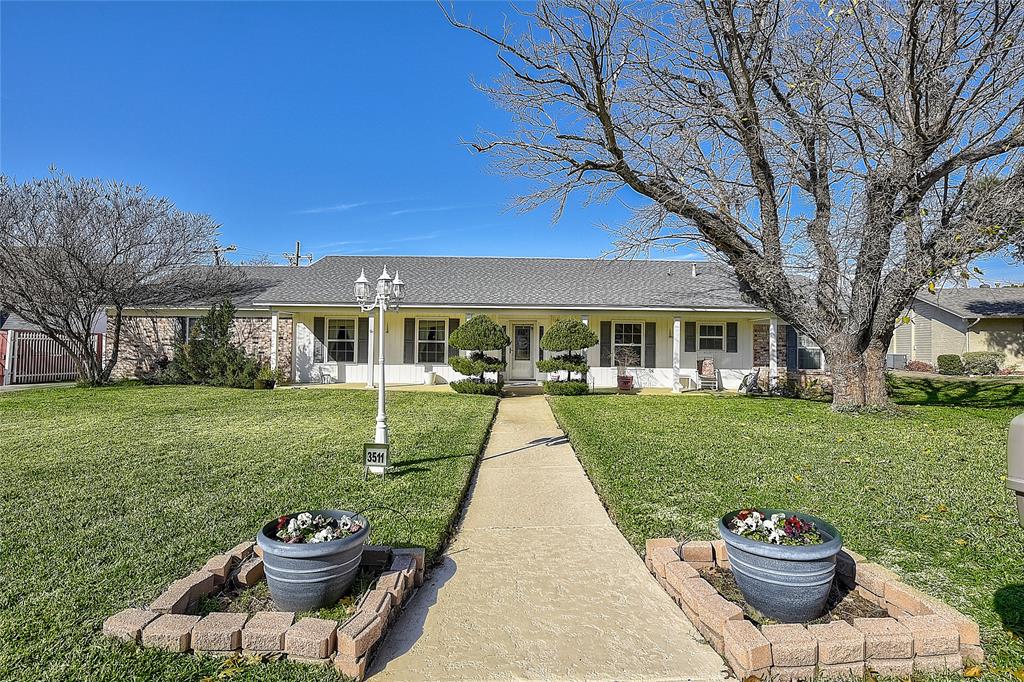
(479, 334)
(565, 336)
(569, 362)
(477, 387)
(919, 366)
(566, 387)
(211, 357)
(476, 364)
(982, 362)
(950, 364)
(568, 334)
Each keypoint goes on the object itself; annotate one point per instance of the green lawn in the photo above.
(106, 495)
(923, 492)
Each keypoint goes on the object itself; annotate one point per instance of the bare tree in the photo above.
(838, 156)
(70, 248)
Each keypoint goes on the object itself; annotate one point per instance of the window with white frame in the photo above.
(711, 337)
(808, 353)
(190, 327)
(627, 343)
(341, 340)
(431, 341)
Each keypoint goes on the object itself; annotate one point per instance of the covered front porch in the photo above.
(659, 348)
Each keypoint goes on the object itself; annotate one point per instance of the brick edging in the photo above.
(921, 634)
(168, 622)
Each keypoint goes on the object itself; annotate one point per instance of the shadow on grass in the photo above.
(956, 393)
(1008, 602)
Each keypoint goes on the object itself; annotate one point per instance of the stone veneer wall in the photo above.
(145, 339)
(801, 378)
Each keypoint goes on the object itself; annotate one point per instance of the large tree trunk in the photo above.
(847, 368)
(876, 390)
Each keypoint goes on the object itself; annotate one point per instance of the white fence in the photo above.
(36, 358)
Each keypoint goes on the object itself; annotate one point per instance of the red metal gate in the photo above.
(37, 358)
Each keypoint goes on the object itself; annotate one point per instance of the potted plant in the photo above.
(624, 359)
(311, 558)
(265, 378)
(783, 562)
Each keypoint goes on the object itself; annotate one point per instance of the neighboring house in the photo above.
(29, 356)
(305, 321)
(956, 321)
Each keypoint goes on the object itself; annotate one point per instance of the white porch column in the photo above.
(273, 339)
(773, 345)
(676, 338)
(369, 354)
(9, 358)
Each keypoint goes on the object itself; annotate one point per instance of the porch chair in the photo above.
(707, 377)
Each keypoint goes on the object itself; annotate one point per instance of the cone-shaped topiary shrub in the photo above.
(478, 335)
(571, 338)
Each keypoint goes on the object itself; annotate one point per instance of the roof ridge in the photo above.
(565, 258)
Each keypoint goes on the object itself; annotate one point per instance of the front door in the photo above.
(522, 366)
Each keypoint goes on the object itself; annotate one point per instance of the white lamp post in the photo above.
(387, 297)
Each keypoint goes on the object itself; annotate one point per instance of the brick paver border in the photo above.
(169, 621)
(921, 634)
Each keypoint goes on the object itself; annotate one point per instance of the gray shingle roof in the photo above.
(979, 301)
(518, 282)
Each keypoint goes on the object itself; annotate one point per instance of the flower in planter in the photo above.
(305, 527)
(776, 529)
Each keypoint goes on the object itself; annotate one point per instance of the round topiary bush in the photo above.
(479, 334)
(566, 387)
(477, 387)
(949, 364)
(566, 336)
(983, 362)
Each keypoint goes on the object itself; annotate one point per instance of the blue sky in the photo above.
(337, 124)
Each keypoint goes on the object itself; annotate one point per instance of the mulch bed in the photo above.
(237, 599)
(843, 604)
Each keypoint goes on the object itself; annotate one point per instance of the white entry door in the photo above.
(522, 360)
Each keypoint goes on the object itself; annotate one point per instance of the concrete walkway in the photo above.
(538, 584)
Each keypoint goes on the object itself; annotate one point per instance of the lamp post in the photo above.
(387, 296)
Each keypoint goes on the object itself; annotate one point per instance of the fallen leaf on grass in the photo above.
(972, 671)
(924, 517)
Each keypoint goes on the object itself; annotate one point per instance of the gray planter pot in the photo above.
(787, 583)
(302, 576)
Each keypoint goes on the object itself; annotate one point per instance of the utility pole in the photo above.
(294, 259)
(218, 251)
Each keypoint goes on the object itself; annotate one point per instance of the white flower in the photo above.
(305, 520)
(345, 522)
(325, 535)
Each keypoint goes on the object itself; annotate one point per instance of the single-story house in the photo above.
(671, 314)
(957, 321)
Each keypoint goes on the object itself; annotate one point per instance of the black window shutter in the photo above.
(363, 354)
(540, 349)
(453, 324)
(182, 329)
(650, 344)
(606, 344)
(319, 349)
(690, 338)
(732, 330)
(504, 351)
(409, 341)
(791, 350)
